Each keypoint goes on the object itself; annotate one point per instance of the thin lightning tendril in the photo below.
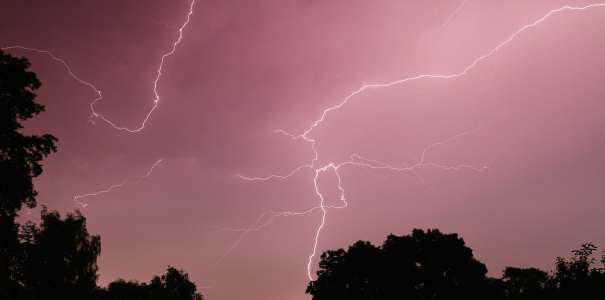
(127, 180)
(356, 160)
(155, 83)
(440, 27)
(372, 164)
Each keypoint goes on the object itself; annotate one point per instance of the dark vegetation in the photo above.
(174, 285)
(433, 265)
(58, 259)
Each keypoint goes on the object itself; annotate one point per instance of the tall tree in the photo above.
(20, 154)
(423, 265)
(59, 259)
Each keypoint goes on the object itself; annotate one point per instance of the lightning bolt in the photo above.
(440, 27)
(95, 114)
(373, 164)
(127, 180)
(356, 160)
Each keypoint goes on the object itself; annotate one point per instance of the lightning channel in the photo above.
(373, 164)
(155, 83)
(95, 114)
(440, 27)
(127, 180)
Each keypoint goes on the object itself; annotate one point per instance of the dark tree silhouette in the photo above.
(59, 259)
(429, 265)
(174, 285)
(525, 284)
(124, 290)
(20, 155)
(434, 265)
(575, 279)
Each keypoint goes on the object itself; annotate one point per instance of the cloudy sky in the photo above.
(446, 114)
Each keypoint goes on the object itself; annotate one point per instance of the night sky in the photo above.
(505, 147)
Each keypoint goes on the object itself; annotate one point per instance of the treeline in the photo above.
(433, 265)
(58, 259)
(174, 285)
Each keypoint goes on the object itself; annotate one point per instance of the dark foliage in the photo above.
(59, 259)
(433, 265)
(525, 283)
(174, 285)
(576, 279)
(20, 155)
(429, 265)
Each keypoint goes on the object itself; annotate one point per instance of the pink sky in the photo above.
(531, 112)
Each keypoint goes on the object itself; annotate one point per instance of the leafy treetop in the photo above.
(20, 154)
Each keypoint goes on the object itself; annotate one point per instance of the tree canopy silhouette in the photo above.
(58, 259)
(423, 265)
(525, 284)
(576, 278)
(174, 285)
(434, 265)
(20, 154)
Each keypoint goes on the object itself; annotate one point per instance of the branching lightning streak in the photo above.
(304, 135)
(64, 64)
(355, 159)
(371, 164)
(490, 76)
(140, 177)
(255, 227)
(155, 83)
(377, 164)
(440, 27)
